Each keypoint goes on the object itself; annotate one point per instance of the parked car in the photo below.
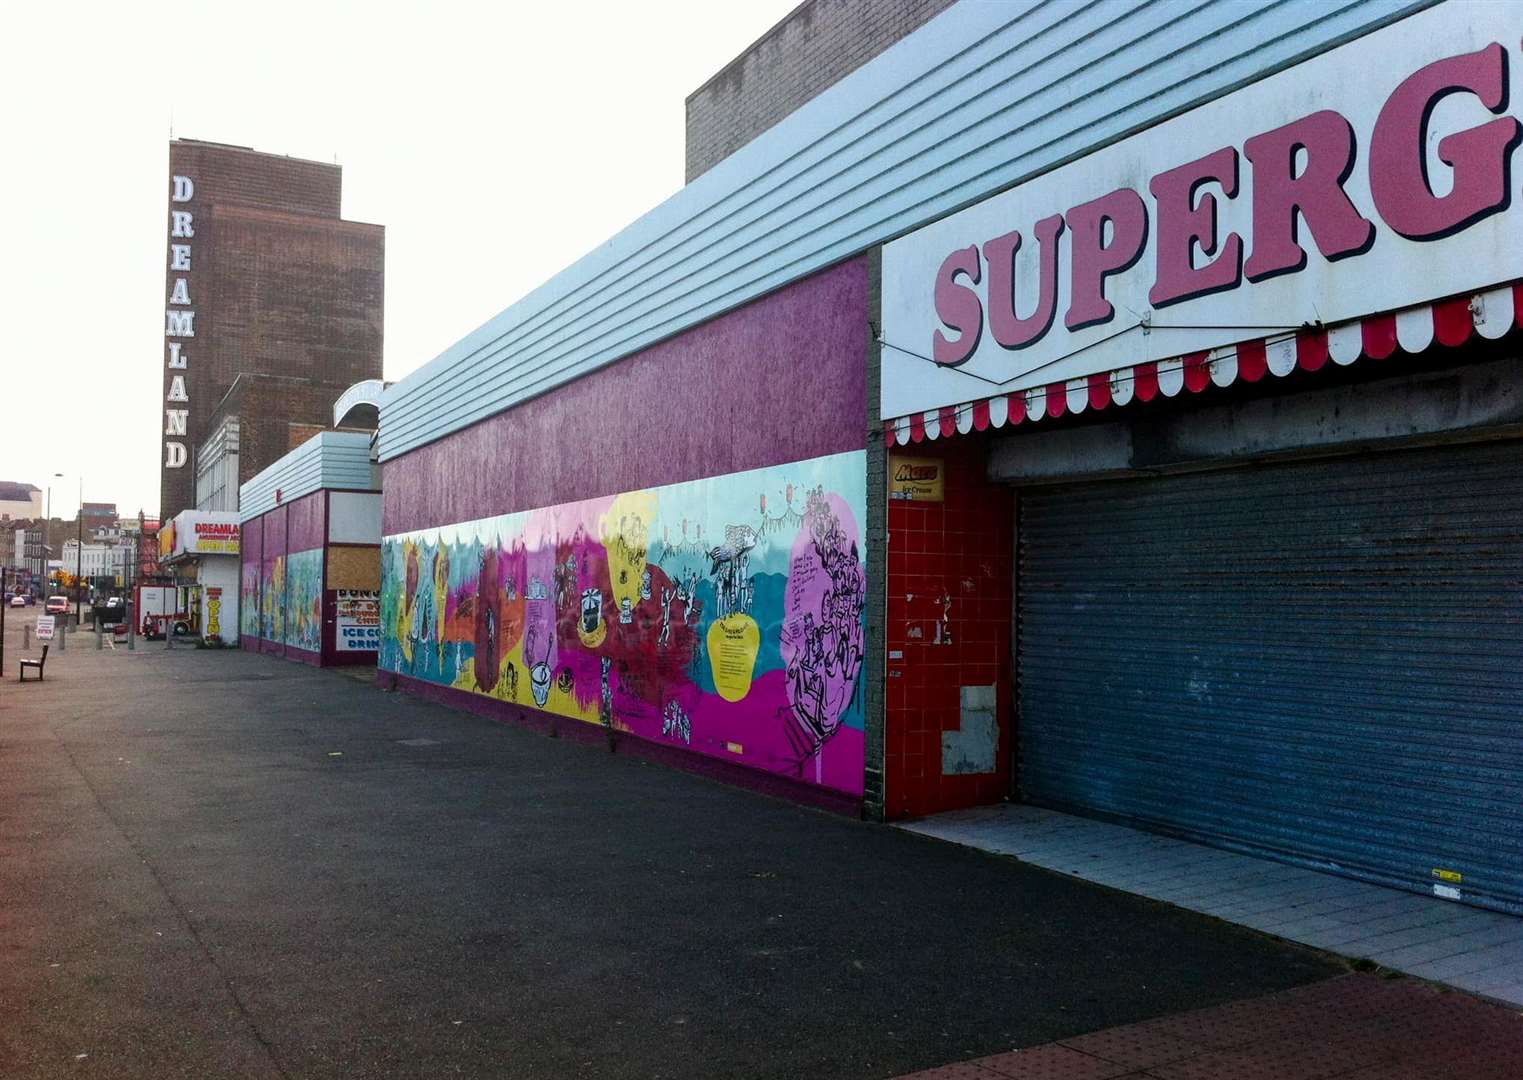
(57, 605)
(18, 601)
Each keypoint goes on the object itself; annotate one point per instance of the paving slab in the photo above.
(1421, 935)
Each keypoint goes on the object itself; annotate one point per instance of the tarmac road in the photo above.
(216, 864)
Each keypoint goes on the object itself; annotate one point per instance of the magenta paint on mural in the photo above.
(782, 379)
(306, 525)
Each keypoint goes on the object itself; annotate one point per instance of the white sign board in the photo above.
(44, 628)
(358, 621)
(1374, 177)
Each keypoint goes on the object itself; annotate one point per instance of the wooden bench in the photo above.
(38, 664)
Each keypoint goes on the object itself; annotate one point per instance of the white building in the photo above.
(97, 560)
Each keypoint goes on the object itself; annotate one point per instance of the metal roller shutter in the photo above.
(1319, 660)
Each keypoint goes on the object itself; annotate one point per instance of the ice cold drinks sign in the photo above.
(1374, 177)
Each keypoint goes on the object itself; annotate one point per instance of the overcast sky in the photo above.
(496, 142)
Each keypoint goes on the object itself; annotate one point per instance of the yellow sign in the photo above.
(734, 642)
(915, 479)
(1452, 876)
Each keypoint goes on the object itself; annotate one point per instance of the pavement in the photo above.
(1359, 1027)
(1424, 935)
(218, 864)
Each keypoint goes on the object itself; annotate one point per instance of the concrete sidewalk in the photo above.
(218, 864)
(1475, 950)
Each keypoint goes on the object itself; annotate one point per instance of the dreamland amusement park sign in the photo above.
(1374, 177)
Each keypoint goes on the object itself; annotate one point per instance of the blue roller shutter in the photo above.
(1322, 661)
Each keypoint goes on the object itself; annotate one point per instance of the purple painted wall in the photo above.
(306, 522)
(275, 533)
(779, 380)
(274, 548)
(251, 546)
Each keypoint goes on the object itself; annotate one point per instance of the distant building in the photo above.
(19, 502)
(273, 307)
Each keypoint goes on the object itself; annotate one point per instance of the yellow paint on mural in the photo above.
(734, 642)
(594, 639)
(625, 533)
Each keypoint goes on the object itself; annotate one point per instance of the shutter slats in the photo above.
(1322, 661)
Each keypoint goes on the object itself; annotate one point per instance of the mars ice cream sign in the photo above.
(1374, 177)
(358, 621)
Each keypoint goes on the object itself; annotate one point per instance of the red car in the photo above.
(57, 605)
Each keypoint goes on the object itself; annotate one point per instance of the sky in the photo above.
(496, 142)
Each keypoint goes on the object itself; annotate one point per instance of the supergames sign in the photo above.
(179, 320)
(1372, 178)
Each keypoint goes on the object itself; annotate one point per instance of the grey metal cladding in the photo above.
(981, 97)
(330, 459)
(1321, 661)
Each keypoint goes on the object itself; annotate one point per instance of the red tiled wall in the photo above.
(960, 548)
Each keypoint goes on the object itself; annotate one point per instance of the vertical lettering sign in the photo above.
(179, 320)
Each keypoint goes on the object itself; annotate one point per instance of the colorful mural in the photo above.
(248, 605)
(272, 592)
(723, 614)
(304, 599)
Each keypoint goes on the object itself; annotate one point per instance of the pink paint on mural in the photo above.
(822, 617)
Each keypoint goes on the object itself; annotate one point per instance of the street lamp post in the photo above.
(47, 532)
(79, 550)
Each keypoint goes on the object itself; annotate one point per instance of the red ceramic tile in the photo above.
(1139, 1048)
(1053, 1062)
(961, 1071)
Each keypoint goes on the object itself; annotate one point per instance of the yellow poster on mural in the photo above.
(734, 642)
(915, 479)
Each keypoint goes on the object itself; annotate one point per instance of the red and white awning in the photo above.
(1450, 322)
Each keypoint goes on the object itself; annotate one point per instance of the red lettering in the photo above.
(1316, 195)
(1182, 224)
(1009, 329)
(1094, 259)
(1479, 155)
(958, 308)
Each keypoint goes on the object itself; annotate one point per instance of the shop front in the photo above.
(1226, 538)
(311, 571)
(200, 549)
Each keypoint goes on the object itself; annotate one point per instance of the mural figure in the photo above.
(689, 596)
(823, 640)
(592, 610)
(675, 723)
(605, 693)
(487, 658)
(539, 673)
(667, 596)
(645, 585)
(729, 568)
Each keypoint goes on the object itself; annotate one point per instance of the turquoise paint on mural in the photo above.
(304, 599)
(248, 601)
(724, 614)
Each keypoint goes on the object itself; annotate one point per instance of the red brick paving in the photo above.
(1358, 1027)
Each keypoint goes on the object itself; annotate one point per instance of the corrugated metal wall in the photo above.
(330, 459)
(980, 98)
(1323, 660)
